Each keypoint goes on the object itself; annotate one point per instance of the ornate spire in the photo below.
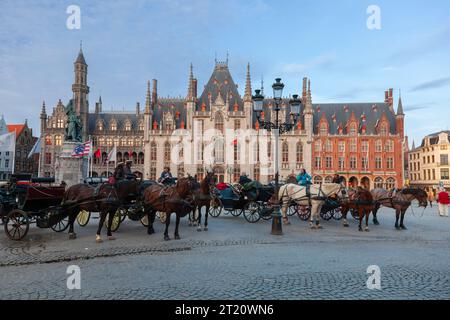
(400, 106)
(80, 58)
(147, 99)
(248, 86)
(42, 110)
(262, 85)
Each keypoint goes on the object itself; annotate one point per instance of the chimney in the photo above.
(138, 108)
(155, 92)
(386, 97)
(304, 92)
(97, 108)
(391, 97)
(194, 84)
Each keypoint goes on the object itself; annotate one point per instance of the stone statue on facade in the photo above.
(73, 126)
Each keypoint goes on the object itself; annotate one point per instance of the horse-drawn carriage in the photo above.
(29, 200)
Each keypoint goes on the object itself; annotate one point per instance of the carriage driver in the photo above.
(127, 173)
(166, 175)
(243, 179)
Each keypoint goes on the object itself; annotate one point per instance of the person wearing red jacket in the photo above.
(443, 201)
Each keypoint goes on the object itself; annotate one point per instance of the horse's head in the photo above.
(419, 194)
(186, 186)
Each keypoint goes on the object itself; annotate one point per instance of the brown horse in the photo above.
(400, 200)
(102, 198)
(203, 199)
(360, 200)
(173, 199)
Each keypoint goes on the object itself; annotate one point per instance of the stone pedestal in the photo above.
(69, 169)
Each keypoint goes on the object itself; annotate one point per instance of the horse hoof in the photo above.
(150, 231)
(403, 228)
(375, 222)
(177, 237)
(190, 224)
(313, 227)
(98, 240)
(397, 227)
(366, 230)
(111, 238)
(346, 225)
(72, 236)
(205, 229)
(166, 238)
(319, 226)
(360, 229)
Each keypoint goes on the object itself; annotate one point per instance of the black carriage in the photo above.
(34, 201)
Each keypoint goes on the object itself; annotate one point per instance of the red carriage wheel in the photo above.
(17, 225)
(304, 212)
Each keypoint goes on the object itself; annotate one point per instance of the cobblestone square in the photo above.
(235, 260)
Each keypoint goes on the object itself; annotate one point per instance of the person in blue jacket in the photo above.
(304, 179)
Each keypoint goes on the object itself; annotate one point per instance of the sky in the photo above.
(127, 42)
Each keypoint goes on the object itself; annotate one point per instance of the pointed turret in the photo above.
(43, 117)
(248, 86)
(400, 107)
(192, 94)
(80, 58)
(3, 127)
(413, 145)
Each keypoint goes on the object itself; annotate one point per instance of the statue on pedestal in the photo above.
(73, 127)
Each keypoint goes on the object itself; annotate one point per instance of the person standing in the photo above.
(431, 197)
(443, 201)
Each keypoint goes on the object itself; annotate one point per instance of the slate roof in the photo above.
(119, 117)
(220, 82)
(80, 58)
(173, 106)
(434, 138)
(342, 112)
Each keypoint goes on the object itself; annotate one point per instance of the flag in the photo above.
(36, 148)
(97, 154)
(8, 142)
(82, 150)
(112, 155)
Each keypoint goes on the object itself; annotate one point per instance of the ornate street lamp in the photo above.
(278, 128)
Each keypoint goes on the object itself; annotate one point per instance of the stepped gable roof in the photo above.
(221, 82)
(339, 114)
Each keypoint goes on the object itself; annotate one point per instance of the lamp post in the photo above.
(278, 128)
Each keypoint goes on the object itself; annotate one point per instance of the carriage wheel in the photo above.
(216, 208)
(144, 221)
(292, 210)
(83, 218)
(251, 214)
(326, 215)
(304, 212)
(337, 215)
(162, 217)
(355, 214)
(116, 221)
(17, 225)
(61, 225)
(237, 213)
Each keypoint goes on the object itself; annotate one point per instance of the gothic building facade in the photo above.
(217, 129)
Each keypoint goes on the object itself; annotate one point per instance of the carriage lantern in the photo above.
(278, 129)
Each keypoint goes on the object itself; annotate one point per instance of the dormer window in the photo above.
(141, 126)
(128, 126)
(100, 126)
(113, 126)
(323, 129)
(383, 129)
(353, 130)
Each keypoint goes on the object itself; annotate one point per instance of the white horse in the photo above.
(318, 195)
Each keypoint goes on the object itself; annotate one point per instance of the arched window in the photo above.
(285, 152)
(116, 141)
(299, 152)
(109, 141)
(58, 140)
(48, 140)
(378, 182)
(317, 180)
(153, 151)
(141, 158)
(219, 151)
(119, 157)
(323, 129)
(390, 183)
(167, 150)
(218, 125)
(101, 141)
(113, 125)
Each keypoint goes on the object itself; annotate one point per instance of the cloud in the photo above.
(434, 84)
(419, 106)
(318, 62)
(389, 68)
